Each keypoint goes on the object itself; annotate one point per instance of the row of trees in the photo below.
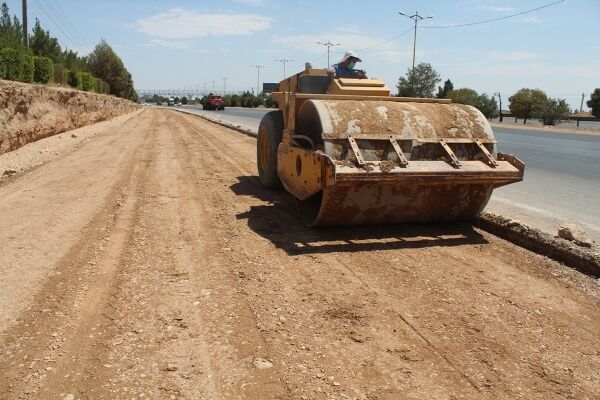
(526, 103)
(594, 103)
(101, 71)
(246, 99)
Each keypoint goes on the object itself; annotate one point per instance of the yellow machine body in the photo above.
(351, 154)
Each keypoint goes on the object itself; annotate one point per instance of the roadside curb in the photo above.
(546, 130)
(584, 260)
(235, 127)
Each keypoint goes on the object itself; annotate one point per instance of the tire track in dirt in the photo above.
(345, 310)
(201, 284)
(486, 353)
(67, 312)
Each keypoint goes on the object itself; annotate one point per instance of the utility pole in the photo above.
(213, 82)
(329, 46)
(258, 68)
(25, 32)
(500, 101)
(580, 108)
(284, 61)
(417, 18)
(225, 84)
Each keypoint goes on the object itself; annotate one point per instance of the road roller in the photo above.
(351, 154)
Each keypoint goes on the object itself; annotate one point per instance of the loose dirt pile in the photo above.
(32, 112)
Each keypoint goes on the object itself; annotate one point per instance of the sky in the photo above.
(175, 44)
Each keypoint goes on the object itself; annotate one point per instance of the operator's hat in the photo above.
(350, 54)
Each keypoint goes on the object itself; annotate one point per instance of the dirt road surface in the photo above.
(149, 263)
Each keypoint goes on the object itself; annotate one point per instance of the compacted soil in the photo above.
(150, 263)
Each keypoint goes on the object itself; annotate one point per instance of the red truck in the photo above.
(213, 102)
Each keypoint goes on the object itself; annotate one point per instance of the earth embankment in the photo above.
(32, 112)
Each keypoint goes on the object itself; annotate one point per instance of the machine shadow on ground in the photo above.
(278, 222)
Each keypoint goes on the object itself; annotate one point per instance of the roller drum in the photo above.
(327, 124)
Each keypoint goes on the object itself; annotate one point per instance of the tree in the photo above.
(463, 96)
(552, 111)
(484, 103)
(42, 44)
(105, 64)
(488, 106)
(11, 31)
(443, 91)
(526, 102)
(594, 103)
(419, 81)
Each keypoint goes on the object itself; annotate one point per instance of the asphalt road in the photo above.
(562, 178)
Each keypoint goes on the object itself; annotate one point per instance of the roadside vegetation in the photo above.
(594, 103)
(46, 62)
(525, 104)
(245, 99)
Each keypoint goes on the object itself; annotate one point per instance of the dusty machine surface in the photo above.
(350, 154)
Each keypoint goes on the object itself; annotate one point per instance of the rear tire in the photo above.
(270, 133)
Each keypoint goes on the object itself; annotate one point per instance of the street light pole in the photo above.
(225, 85)
(416, 17)
(329, 46)
(500, 106)
(284, 61)
(258, 68)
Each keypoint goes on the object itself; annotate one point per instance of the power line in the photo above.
(493, 19)
(318, 58)
(69, 24)
(68, 37)
(459, 25)
(51, 14)
(385, 41)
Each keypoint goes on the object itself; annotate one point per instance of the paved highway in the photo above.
(562, 178)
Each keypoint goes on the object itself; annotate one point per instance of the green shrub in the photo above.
(10, 62)
(44, 69)
(74, 79)
(61, 75)
(257, 101)
(26, 68)
(105, 87)
(85, 81)
(270, 103)
(93, 85)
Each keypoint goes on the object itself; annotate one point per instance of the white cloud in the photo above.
(178, 23)
(309, 44)
(513, 56)
(496, 8)
(531, 19)
(252, 2)
(169, 44)
(352, 28)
